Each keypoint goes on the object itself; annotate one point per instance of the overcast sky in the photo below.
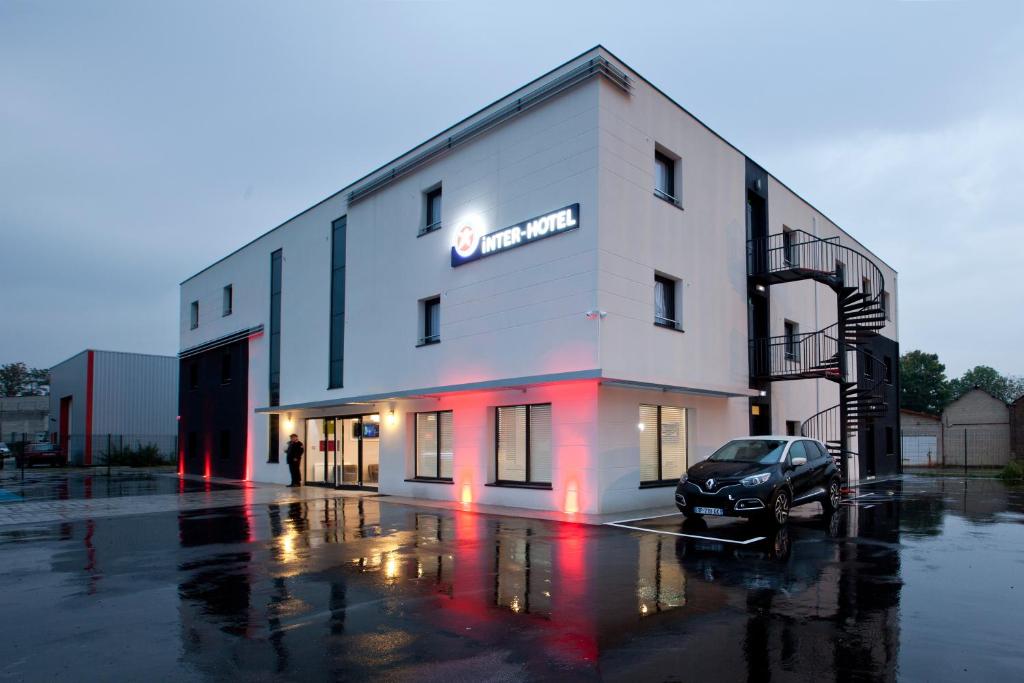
(141, 141)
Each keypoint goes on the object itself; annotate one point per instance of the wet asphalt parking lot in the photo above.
(918, 578)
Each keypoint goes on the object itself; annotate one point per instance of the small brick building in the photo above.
(921, 439)
(976, 431)
(1017, 428)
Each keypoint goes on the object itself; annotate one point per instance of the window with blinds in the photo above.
(434, 452)
(524, 444)
(663, 437)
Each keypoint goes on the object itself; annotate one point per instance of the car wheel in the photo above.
(778, 509)
(832, 496)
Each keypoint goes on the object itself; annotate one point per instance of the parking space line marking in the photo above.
(676, 533)
(638, 519)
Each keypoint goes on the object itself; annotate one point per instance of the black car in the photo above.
(760, 477)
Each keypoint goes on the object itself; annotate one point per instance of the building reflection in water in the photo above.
(522, 571)
(352, 586)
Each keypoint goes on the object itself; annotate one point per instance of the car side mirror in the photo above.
(798, 460)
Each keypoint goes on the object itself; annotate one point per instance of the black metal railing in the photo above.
(795, 254)
(797, 356)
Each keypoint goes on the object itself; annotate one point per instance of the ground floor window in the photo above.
(523, 436)
(662, 444)
(434, 453)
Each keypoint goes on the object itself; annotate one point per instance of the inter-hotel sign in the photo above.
(470, 245)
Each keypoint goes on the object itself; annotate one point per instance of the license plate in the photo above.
(709, 511)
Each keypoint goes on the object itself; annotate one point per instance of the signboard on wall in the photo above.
(470, 244)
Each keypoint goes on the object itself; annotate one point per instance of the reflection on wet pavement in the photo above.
(919, 579)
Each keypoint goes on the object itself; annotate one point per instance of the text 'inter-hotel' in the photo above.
(560, 302)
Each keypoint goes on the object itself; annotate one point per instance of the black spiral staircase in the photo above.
(835, 353)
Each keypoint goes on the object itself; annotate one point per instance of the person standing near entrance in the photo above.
(293, 456)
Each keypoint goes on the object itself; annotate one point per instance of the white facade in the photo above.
(514, 328)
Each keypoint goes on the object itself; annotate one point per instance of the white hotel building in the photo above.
(559, 303)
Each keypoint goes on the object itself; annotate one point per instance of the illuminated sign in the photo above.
(470, 244)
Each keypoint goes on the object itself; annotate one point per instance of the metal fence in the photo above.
(956, 447)
(106, 449)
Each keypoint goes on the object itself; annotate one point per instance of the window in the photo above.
(792, 341)
(665, 177)
(792, 428)
(194, 315)
(888, 370)
(225, 444)
(433, 211)
(434, 454)
(336, 368)
(275, 328)
(865, 286)
(797, 450)
(666, 312)
(662, 444)
(274, 451)
(229, 300)
(430, 314)
(841, 272)
(225, 367)
(869, 365)
(523, 448)
(193, 375)
(886, 309)
(789, 247)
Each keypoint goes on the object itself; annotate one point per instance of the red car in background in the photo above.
(41, 454)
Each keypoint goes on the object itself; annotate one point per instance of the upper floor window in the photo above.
(865, 286)
(229, 299)
(665, 185)
(666, 309)
(430, 314)
(524, 445)
(789, 247)
(791, 340)
(194, 315)
(886, 305)
(433, 211)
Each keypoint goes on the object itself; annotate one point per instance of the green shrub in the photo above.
(144, 455)
(1014, 471)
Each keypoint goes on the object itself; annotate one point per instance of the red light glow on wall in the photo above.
(206, 466)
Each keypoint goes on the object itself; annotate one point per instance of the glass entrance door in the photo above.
(321, 451)
(350, 450)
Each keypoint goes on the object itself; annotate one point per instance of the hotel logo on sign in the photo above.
(470, 245)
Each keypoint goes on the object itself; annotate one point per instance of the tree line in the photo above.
(17, 379)
(925, 388)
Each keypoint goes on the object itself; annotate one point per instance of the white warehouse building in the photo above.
(558, 303)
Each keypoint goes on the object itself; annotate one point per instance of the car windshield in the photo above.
(763, 451)
(38, 447)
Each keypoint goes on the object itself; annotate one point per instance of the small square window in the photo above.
(792, 428)
(886, 307)
(433, 211)
(430, 314)
(194, 315)
(792, 340)
(665, 177)
(865, 286)
(666, 302)
(229, 299)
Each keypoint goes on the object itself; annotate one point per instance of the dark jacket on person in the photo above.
(294, 452)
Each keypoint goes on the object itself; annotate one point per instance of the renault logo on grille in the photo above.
(710, 483)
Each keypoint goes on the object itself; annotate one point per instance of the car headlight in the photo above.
(682, 479)
(755, 479)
